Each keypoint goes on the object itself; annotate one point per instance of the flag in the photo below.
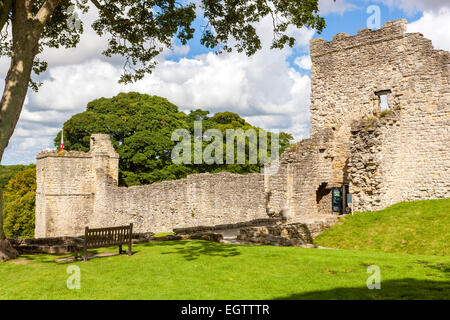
(62, 141)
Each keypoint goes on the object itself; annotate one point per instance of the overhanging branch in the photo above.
(46, 11)
(5, 9)
(109, 15)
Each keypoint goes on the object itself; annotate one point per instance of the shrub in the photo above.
(19, 205)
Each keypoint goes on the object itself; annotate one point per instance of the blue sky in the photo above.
(270, 89)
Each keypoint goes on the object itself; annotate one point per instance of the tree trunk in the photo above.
(25, 35)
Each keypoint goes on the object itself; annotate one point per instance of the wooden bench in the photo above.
(106, 237)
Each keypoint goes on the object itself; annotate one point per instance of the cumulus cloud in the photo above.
(412, 6)
(264, 89)
(303, 62)
(435, 26)
(339, 6)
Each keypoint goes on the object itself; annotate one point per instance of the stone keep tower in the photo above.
(382, 158)
(67, 184)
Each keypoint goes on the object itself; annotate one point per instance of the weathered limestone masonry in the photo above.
(382, 158)
(80, 189)
(291, 191)
(67, 184)
(402, 156)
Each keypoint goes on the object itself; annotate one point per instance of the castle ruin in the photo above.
(380, 120)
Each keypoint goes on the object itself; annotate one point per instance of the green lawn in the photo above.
(409, 242)
(206, 270)
(418, 227)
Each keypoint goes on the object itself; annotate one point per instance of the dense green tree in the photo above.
(136, 30)
(141, 128)
(19, 201)
(8, 172)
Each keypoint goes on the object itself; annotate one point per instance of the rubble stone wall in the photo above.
(401, 154)
(80, 189)
(405, 158)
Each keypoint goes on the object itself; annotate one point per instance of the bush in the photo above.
(19, 205)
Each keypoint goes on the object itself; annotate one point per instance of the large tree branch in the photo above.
(109, 15)
(46, 11)
(5, 9)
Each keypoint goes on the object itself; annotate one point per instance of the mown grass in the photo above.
(418, 227)
(206, 270)
(163, 234)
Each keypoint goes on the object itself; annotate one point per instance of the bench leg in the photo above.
(129, 249)
(76, 254)
(85, 254)
(120, 249)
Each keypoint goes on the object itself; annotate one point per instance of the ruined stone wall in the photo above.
(80, 189)
(375, 163)
(300, 170)
(405, 158)
(398, 155)
(198, 200)
(346, 74)
(64, 193)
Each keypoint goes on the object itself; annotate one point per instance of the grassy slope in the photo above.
(205, 270)
(419, 227)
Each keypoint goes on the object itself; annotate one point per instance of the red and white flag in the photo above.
(62, 141)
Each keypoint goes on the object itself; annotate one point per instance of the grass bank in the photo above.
(418, 227)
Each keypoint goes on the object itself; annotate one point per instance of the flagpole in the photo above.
(62, 141)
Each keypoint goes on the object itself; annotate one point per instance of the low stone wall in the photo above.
(55, 245)
(230, 226)
(66, 245)
(198, 200)
(207, 236)
(291, 234)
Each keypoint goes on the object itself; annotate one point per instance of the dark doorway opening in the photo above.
(323, 199)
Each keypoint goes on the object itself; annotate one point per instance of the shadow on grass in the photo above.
(399, 289)
(441, 267)
(189, 250)
(192, 250)
(51, 258)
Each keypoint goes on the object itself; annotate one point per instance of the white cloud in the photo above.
(412, 6)
(263, 88)
(261, 85)
(69, 88)
(434, 26)
(338, 6)
(303, 62)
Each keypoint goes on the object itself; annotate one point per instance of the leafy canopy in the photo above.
(141, 128)
(8, 172)
(139, 30)
(19, 204)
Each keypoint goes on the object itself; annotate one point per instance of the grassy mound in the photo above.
(418, 227)
(208, 270)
